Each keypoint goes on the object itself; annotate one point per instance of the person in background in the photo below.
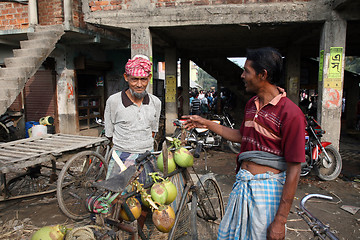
(210, 99)
(215, 103)
(195, 104)
(180, 101)
(205, 105)
(201, 95)
(272, 150)
(191, 94)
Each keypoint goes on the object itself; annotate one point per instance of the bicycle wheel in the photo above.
(210, 206)
(75, 183)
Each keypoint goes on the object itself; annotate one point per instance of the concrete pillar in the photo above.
(170, 89)
(293, 73)
(65, 87)
(141, 43)
(33, 14)
(331, 76)
(67, 14)
(185, 83)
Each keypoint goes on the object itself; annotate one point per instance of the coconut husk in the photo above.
(16, 229)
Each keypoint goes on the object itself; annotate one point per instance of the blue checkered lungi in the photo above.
(253, 203)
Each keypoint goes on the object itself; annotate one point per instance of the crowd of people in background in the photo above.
(202, 102)
(206, 102)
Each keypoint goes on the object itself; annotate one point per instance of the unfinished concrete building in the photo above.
(76, 50)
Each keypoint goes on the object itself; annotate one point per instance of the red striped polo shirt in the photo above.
(277, 128)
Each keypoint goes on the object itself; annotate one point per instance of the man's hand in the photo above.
(194, 121)
(276, 231)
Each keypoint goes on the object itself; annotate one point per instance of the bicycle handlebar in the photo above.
(147, 154)
(304, 199)
(316, 223)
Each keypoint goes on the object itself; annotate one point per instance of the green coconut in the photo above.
(50, 233)
(171, 190)
(183, 157)
(171, 162)
(159, 193)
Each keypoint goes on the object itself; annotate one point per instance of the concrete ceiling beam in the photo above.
(314, 11)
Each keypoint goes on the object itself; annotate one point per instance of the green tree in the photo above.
(206, 80)
(352, 64)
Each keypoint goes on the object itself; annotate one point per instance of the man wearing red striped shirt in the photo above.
(272, 138)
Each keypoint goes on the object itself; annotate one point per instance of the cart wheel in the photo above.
(26, 185)
(75, 183)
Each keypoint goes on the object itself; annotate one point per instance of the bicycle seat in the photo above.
(119, 182)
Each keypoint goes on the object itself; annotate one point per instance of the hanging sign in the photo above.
(334, 79)
(170, 94)
(334, 70)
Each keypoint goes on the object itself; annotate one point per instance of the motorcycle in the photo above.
(320, 156)
(206, 138)
(7, 128)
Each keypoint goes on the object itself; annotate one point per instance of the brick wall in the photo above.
(78, 16)
(13, 16)
(105, 5)
(50, 12)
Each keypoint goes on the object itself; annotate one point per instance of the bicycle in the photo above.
(320, 230)
(202, 200)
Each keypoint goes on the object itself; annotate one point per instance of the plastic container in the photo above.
(38, 130)
(48, 120)
(28, 128)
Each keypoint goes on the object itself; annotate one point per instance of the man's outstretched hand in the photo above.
(194, 121)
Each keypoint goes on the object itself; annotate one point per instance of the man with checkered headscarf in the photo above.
(132, 117)
(131, 120)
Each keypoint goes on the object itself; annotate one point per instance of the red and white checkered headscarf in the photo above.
(138, 66)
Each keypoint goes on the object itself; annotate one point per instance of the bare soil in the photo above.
(20, 218)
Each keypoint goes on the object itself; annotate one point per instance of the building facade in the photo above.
(206, 32)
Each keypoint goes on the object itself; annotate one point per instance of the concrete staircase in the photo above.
(26, 62)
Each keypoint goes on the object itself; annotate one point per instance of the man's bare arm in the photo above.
(276, 230)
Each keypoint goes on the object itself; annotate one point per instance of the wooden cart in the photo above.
(32, 165)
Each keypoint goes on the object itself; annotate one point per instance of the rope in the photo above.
(82, 233)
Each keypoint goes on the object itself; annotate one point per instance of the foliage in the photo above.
(206, 80)
(352, 64)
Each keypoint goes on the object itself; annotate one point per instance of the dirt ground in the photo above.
(19, 219)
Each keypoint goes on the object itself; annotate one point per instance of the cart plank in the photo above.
(21, 148)
(31, 151)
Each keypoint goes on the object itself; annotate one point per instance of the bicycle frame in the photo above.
(189, 186)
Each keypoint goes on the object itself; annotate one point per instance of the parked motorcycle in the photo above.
(204, 136)
(7, 128)
(320, 156)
